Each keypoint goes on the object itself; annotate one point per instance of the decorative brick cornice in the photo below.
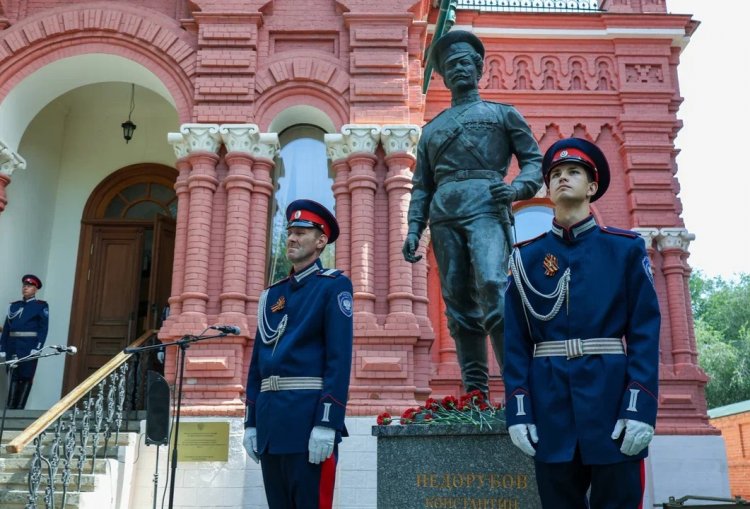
(400, 138)
(361, 138)
(201, 137)
(674, 238)
(10, 161)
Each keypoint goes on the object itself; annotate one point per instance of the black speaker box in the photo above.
(157, 409)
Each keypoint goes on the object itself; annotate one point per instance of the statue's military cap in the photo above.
(447, 40)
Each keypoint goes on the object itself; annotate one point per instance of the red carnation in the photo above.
(384, 419)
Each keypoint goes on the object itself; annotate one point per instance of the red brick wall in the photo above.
(736, 431)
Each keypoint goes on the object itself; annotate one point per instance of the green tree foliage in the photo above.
(721, 309)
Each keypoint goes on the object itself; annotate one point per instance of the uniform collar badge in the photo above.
(279, 305)
(550, 265)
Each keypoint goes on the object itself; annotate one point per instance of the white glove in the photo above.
(250, 443)
(2, 355)
(34, 351)
(519, 435)
(637, 435)
(321, 443)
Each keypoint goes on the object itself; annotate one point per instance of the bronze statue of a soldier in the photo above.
(462, 158)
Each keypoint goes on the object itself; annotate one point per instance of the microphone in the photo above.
(70, 350)
(226, 329)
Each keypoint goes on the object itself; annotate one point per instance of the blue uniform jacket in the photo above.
(317, 342)
(577, 401)
(31, 319)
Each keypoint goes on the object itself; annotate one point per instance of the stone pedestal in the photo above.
(452, 467)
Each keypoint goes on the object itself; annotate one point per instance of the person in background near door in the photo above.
(298, 380)
(582, 344)
(24, 333)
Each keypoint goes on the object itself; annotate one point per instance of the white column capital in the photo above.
(201, 137)
(335, 146)
(400, 138)
(361, 137)
(674, 238)
(10, 161)
(239, 137)
(248, 139)
(648, 235)
(179, 144)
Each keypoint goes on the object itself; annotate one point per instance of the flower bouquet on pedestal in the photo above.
(470, 408)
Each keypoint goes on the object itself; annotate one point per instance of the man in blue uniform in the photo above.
(299, 373)
(462, 158)
(24, 333)
(582, 344)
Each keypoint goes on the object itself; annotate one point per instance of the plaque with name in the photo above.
(202, 441)
(452, 467)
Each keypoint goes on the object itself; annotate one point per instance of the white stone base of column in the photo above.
(680, 465)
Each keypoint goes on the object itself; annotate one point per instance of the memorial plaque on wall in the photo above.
(449, 466)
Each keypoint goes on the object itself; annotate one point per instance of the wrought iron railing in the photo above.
(530, 5)
(72, 436)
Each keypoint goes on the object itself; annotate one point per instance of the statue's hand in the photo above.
(410, 248)
(502, 193)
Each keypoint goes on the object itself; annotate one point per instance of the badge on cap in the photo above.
(550, 265)
(297, 214)
(279, 305)
(564, 153)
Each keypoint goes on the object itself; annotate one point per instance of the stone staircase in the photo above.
(14, 468)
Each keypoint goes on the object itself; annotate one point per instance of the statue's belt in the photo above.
(457, 175)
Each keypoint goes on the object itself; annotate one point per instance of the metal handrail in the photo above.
(73, 397)
(81, 425)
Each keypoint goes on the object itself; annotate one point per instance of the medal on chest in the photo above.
(550, 265)
(279, 305)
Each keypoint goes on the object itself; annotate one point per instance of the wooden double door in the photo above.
(123, 282)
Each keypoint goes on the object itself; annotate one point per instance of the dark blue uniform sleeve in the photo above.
(339, 335)
(519, 351)
(253, 384)
(639, 401)
(43, 325)
(4, 334)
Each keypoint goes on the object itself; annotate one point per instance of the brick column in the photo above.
(672, 243)
(178, 142)
(362, 140)
(337, 152)
(400, 144)
(238, 139)
(203, 143)
(682, 402)
(264, 147)
(9, 162)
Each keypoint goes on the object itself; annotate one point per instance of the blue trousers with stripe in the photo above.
(292, 482)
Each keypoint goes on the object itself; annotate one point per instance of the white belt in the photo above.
(288, 383)
(572, 348)
(23, 334)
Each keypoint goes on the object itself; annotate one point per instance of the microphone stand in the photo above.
(13, 364)
(184, 344)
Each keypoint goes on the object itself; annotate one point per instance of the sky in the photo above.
(712, 171)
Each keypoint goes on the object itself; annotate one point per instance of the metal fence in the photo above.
(530, 5)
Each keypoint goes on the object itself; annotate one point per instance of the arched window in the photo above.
(144, 200)
(302, 172)
(533, 220)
